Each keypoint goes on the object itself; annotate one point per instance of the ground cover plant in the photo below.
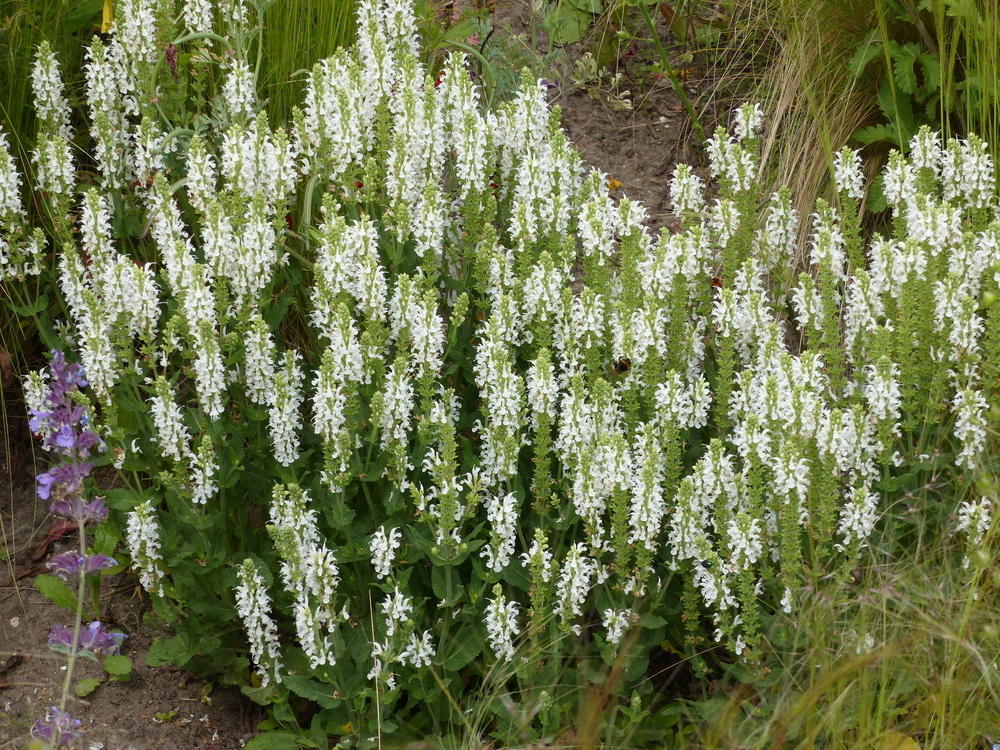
(408, 408)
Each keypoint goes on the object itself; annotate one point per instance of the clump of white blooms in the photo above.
(435, 318)
(616, 622)
(142, 536)
(847, 173)
(974, 518)
(254, 607)
(501, 624)
(383, 547)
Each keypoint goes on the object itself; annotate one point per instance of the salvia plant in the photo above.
(60, 417)
(408, 406)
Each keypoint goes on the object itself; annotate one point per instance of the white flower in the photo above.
(142, 536)
(239, 91)
(203, 468)
(285, 418)
(686, 191)
(501, 624)
(501, 512)
(253, 605)
(383, 547)
(574, 582)
(616, 622)
(974, 518)
(970, 425)
(857, 517)
(847, 174)
(168, 422)
(748, 121)
(397, 608)
(418, 651)
(197, 17)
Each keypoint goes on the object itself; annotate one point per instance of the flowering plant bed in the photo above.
(407, 404)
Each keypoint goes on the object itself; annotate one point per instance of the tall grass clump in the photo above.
(401, 396)
(295, 36)
(835, 73)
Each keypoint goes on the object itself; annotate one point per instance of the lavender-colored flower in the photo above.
(63, 424)
(63, 481)
(76, 508)
(69, 564)
(94, 638)
(58, 727)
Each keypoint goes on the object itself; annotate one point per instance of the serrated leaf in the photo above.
(876, 134)
(117, 665)
(312, 690)
(867, 51)
(932, 71)
(903, 60)
(85, 687)
(56, 590)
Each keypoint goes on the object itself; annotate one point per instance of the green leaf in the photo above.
(122, 499)
(56, 590)
(86, 687)
(876, 134)
(446, 588)
(312, 690)
(174, 651)
(588, 6)
(651, 621)
(903, 60)
(263, 696)
(33, 308)
(463, 647)
(867, 51)
(566, 25)
(277, 741)
(118, 665)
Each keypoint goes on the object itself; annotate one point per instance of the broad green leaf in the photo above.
(894, 740)
(312, 690)
(462, 648)
(175, 651)
(118, 665)
(85, 687)
(122, 499)
(278, 741)
(566, 25)
(56, 590)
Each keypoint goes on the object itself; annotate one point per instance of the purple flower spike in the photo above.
(66, 479)
(94, 638)
(68, 564)
(93, 512)
(58, 727)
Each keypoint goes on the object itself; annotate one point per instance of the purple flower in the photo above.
(83, 512)
(69, 564)
(94, 638)
(58, 727)
(65, 377)
(67, 478)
